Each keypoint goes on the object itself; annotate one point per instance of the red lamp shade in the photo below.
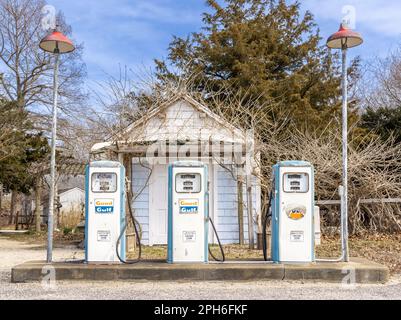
(344, 38)
(56, 42)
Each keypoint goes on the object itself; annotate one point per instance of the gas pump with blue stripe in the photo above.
(188, 214)
(104, 212)
(293, 212)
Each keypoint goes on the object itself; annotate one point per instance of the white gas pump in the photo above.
(104, 211)
(293, 212)
(188, 212)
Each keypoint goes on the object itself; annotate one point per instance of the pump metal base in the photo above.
(357, 270)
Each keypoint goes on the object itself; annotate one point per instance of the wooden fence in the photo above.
(361, 201)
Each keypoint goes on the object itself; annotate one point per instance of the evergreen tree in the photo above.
(264, 49)
(384, 121)
(20, 148)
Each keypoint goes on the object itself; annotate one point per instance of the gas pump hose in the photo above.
(268, 214)
(218, 240)
(264, 242)
(138, 239)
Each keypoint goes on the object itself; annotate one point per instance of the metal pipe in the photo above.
(50, 218)
(343, 190)
(345, 149)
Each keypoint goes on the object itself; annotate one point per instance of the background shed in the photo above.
(184, 129)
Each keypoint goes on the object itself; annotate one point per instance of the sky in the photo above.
(133, 32)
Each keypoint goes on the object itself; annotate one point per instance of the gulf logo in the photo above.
(104, 206)
(189, 205)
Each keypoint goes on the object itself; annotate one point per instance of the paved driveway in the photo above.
(13, 252)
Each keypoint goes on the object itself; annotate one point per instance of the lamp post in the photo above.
(56, 43)
(343, 39)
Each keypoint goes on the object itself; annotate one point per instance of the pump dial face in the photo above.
(296, 182)
(104, 182)
(188, 182)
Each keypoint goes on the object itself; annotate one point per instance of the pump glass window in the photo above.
(104, 182)
(296, 182)
(188, 182)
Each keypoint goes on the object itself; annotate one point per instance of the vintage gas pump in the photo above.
(293, 212)
(188, 212)
(104, 211)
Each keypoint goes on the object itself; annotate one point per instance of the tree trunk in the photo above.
(240, 188)
(38, 196)
(16, 220)
(13, 206)
(1, 197)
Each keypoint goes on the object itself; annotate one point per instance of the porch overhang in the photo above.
(160, 148)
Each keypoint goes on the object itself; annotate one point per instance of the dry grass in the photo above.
(71, 218)
(381, 248)
(230, 251)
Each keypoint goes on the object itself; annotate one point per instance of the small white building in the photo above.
(183, 129)
(72, 201)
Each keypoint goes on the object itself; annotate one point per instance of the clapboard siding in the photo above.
(140, 203)
(227, 207)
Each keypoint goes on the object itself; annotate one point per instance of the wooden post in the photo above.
(38, 196)
(250, 212)
(1, 197)
(240, 188)
(130, 236)
(16, 220)
(13, 206)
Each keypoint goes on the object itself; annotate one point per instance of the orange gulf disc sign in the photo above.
(296, 213)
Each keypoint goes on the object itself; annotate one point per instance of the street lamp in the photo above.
(343, 39)
(56, 43)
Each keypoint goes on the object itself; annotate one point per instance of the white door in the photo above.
(158, 204)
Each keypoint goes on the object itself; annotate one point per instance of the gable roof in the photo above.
(198, 106)
(61, 192)
(237, 135)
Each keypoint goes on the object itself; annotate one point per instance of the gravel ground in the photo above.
(15, 252)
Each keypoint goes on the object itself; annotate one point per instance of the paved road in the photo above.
(12, 252)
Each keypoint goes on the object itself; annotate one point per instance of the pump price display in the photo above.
(296, 182)
(104, 182)
(188, 183)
